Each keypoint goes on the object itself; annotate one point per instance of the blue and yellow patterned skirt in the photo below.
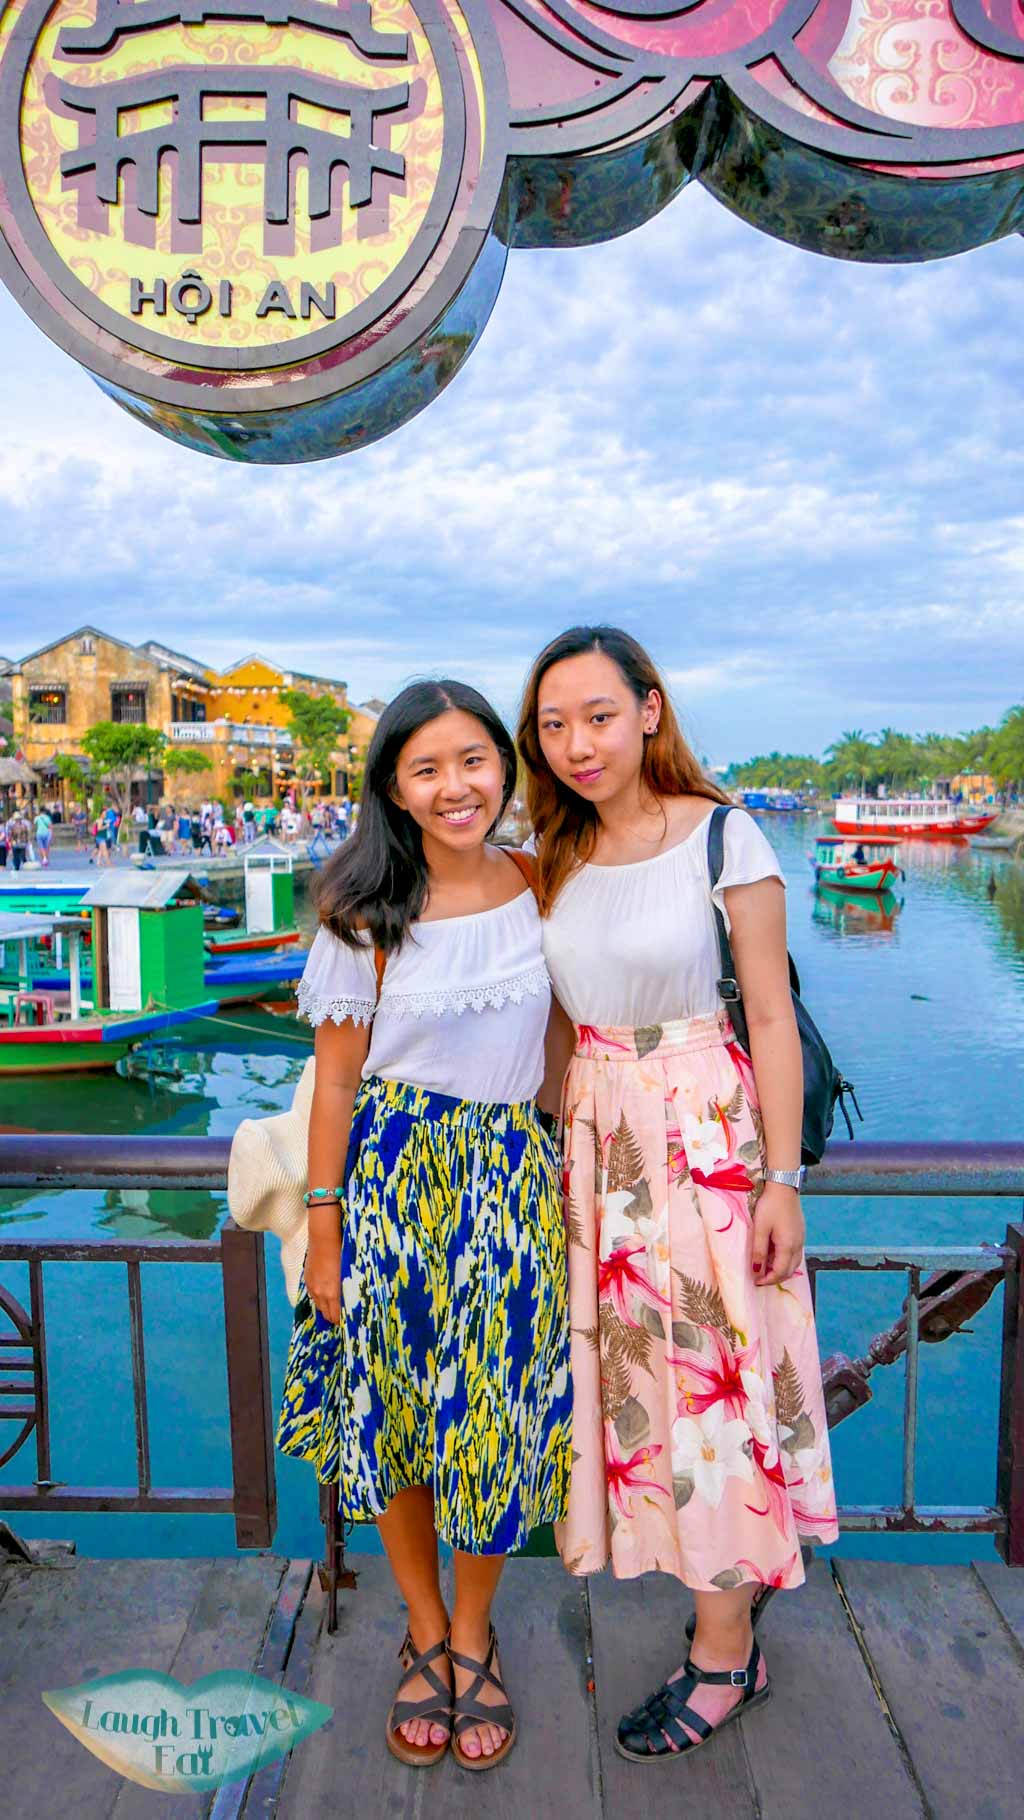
(451, 1364)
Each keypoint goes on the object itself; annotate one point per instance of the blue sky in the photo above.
(798, 480)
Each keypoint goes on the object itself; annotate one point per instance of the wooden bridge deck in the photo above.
(899, 1693)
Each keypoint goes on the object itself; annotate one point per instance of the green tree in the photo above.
(116, 751)
(74, 777)
(779, 771)
(851, 759)
(1005, 753)
(316, 726)
(186, 761)
(897, 760)
(251, 782)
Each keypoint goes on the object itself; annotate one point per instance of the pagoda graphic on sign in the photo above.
(274, 229)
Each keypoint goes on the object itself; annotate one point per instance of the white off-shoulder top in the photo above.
(463, 1006)
(636, 944)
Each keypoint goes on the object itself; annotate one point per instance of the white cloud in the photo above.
(798, 479)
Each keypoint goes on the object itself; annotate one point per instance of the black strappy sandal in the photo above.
(468, 1711)
(761, 1598)
(435, 1708)
(641, 1734)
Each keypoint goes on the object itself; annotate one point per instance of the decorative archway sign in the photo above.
(274, 229)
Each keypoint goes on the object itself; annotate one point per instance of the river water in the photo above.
(923, 1007)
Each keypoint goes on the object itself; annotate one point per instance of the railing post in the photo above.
(249, 1390)
(1010, 1481)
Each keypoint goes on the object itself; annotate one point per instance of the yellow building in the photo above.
(973, 786)
(236, 715)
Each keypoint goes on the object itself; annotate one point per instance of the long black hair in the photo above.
(377, 880)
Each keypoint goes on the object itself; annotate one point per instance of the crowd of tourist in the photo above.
(26, 831)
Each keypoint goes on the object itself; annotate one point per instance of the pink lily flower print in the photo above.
(779, 1577)
(590, 1038)
(623, 1475)
(744, 1068)
(719, 1382)
(619, 1272)
(780, 1506)
(732, 1184)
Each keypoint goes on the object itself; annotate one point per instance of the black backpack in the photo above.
(824, 1086)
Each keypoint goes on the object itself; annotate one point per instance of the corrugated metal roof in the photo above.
(136, 890)
(17, 923)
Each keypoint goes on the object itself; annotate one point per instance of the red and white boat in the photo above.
(899, 816)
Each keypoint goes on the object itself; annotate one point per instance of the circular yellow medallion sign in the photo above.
(234, 209)
(273, 229)
(224, 186)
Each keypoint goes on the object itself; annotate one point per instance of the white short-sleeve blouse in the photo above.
(636, 944)
(463, 1006)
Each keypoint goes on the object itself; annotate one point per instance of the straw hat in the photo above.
(267, 1178)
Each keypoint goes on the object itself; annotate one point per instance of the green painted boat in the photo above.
(865, 863)
(97, 1039)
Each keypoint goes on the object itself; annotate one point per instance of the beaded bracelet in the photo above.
(320, 1194)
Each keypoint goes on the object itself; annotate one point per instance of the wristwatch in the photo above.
(790, 1178)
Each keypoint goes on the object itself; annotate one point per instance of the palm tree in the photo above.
(852, 758)
(1006, 749)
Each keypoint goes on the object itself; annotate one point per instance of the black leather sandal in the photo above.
(468, 1710)
(761, 1598)
(435, 1708)
(641, 1735)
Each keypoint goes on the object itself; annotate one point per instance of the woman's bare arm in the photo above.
(757, 914)
(558, 1047)
(340, 1053)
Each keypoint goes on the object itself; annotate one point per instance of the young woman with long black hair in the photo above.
(699, 1430)
(429, 1364)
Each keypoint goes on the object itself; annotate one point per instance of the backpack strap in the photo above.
(522, 862)
(728, 986)
(525, 864)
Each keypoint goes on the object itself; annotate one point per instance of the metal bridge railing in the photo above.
(945, 1286)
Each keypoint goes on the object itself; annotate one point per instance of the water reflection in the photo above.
(1007, 895)
(857, 912)
(128, 1213)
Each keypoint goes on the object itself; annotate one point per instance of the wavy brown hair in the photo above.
(564, 823)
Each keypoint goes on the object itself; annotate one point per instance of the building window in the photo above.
(185, 708)
(87, 648)
(48, 707)
(128, 705)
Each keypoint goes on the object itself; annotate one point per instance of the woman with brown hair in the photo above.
(698, 1422)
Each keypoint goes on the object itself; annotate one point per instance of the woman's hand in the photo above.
(323, 1263)
(779, 1234)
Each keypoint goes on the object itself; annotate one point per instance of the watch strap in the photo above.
(789, 1178)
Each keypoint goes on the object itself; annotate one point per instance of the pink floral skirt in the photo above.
(699, 1434)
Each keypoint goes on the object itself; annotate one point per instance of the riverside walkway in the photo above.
(899, 1692)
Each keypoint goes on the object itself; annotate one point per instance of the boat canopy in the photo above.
(859, 840)
(899, 808)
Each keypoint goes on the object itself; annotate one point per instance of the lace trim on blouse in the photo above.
(317, 1009)
(457, 999)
